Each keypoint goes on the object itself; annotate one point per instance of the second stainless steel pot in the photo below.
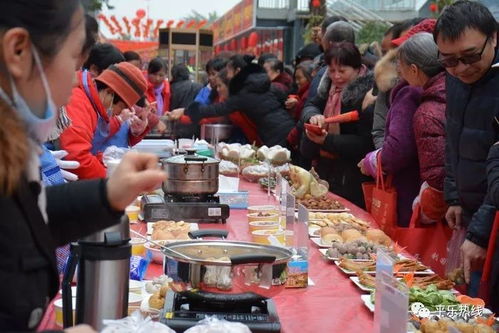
(226, 267)
(190, 174)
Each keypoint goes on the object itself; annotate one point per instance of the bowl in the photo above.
(266, 217)
(138, 246)
(264, 209)
(58, 311)
(133, 213)
(264, 225)
(269, 237)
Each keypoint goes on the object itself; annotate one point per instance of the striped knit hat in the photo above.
(126, 80)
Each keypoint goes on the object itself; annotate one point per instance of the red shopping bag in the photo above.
(484, 291)
(367, 190)
(384, 201)
(427, 242)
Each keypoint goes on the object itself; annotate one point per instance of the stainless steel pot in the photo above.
(227, 267)
(190, 174)
(215, 132)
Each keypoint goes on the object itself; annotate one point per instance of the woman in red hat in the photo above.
(91, 107)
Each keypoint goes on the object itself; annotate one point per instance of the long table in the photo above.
(332, 304)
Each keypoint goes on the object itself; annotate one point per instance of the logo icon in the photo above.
(418, 309)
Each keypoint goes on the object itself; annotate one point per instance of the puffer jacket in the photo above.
(471, 130)
(183, 93)
(250, 93)
(429, 132)
(348, 147)
(399, 157)
(493, 197)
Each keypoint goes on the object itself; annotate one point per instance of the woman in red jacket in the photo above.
(90, 108)
(158, 87)
(419, 66)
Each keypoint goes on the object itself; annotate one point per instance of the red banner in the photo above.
(235, 21)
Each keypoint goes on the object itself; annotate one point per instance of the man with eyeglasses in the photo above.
(466, 35)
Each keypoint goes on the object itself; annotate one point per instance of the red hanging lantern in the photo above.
(141, 13)
(201, 24)
(170, 23)
(190, 24)
(180, 24)
(253, 39)
(127, 24)
(233, 45)
(433, 7)
(316, 3)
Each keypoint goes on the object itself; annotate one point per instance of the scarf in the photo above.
(333, 104)
(158, 93)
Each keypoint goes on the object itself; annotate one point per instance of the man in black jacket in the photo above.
(466, 35)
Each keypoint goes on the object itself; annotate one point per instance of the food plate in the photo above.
(356, 281)
(318, 242)
(324, 254)
(146, 310)
(348, 272)
(367, 302)
(314, 231)
(343, 210)
(193, 227)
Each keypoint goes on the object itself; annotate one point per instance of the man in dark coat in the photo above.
(183, 90)
(466, 35)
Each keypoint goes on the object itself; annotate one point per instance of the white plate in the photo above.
(327, 210)
(193, 226)
(324, 254)
(356, 281)
(367, 302)
(318, 242)
(348, 272)
(312, 230)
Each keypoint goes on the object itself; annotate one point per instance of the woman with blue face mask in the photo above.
(39, 53)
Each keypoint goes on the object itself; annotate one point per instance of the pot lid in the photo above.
(191, 158)
(217, 252)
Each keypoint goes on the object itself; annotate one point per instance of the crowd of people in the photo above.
(420, 109)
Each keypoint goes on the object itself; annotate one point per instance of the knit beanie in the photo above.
(427, 25)
(126, 80)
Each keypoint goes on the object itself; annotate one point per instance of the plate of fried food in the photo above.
(328, 219)
(170, 230)
(155, 292)
(367, 282)
(321, 204)
(401, 266)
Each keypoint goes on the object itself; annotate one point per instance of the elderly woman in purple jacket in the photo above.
(399, 155)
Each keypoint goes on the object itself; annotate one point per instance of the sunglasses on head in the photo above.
(466, 60)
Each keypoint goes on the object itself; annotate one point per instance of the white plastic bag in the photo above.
(453, 266)
(135, 324)
(215, 325)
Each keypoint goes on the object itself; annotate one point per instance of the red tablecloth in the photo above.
(333, 304)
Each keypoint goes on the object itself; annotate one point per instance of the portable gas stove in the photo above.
(192, 208)
(184, 310)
